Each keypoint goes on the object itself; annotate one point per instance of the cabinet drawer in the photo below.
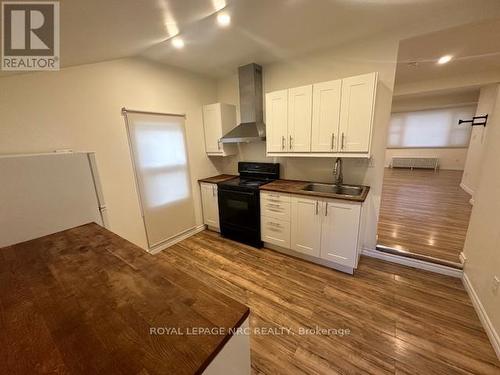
(275, 209)
(275, 197)
(276, 232)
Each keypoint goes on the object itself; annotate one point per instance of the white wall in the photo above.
(377, 54)
(79, 108)
(473, 163)
(482, 244)
(449, 158)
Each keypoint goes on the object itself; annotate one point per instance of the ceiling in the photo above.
(263, 31)
(436, 99)
(475, 47)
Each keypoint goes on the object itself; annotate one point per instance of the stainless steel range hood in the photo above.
(252, 127)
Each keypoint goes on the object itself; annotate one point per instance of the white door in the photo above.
(213, 127)
(339, 232)
(306, 225)
(161, 166)
(356, 113)
(210, 203)
(326, 116)
(276, 121)
(299, 118)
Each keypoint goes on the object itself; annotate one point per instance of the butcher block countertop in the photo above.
(295, 187)
(86, 301)
(218, 179)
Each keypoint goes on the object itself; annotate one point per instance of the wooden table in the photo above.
(85, 301)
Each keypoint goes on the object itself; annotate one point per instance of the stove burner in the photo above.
(244, 183)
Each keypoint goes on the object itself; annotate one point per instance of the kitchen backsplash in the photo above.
(310, 169)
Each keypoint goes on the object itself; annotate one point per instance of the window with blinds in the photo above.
(158, 147)
(432, 128)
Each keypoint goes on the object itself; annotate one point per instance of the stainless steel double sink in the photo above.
(346, 190)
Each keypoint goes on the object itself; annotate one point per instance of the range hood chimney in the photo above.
(252, 127)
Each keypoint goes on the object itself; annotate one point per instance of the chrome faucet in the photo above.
(337, 172)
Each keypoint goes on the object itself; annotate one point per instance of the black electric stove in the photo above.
(239, 202)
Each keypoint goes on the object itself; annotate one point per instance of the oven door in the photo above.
(239, 213)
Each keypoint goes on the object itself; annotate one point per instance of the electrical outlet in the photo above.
(496, 285)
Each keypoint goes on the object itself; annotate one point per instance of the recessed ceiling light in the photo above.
(445, 59)
(223, 19)
(178, 42)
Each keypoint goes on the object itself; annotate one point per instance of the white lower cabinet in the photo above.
(275, 206)
(323, 229)
(339, 232)
(275, 231)
(306, 226)
(210, 203)
(275, 218)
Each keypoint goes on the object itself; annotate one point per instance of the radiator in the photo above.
(429, 163)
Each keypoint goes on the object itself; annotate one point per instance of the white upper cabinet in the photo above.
(356, 114)
(218, 119)
(299, 119)
(277, 121)
(333, 118)
(306, 225)
(326, 116)
(339, 232)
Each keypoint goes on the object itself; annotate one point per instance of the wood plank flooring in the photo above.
(424, 212)
(400, 320)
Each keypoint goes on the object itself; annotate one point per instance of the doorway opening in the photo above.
(432, 159)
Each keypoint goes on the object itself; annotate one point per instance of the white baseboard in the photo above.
(467, 189)
(483, 316)
(178, 238)
(415, 263)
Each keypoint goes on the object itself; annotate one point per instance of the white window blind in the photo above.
(161, 166)
(430, 128)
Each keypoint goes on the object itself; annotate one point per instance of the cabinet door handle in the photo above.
(274, 224)
(326, 209)
(274, 210)
(274, 205)
(274, 200)
(333, 140)
(291, 144)
(282, 142)
(343, 137)
(218, 144)
(317, 203)
(213, 190)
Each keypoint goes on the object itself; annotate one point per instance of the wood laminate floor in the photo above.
(400, 320)
(424, 212)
